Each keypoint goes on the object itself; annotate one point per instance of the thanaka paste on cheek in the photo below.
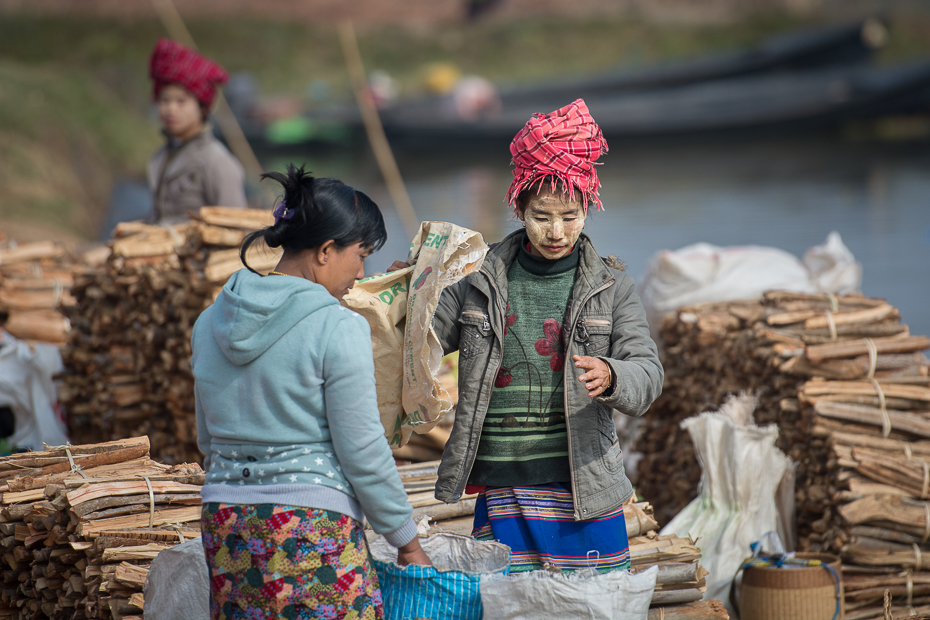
(553, 221)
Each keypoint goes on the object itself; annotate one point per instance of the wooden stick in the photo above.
(855, 348)
(669, 597)
(375, 131)
(698, 610)
(900, 420)
(815, 388)
(846, 318)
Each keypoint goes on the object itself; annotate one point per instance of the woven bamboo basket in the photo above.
(798, 593)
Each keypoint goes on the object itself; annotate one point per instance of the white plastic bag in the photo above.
(541, 595)
(26, 386)
(178, 586)
(447, 590)
(703, 273)
(832, 267)
(736, 504)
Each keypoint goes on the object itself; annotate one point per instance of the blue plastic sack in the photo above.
(448, 590)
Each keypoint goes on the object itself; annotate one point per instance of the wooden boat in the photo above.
(795, 51)
(782, 101)
(799, 50)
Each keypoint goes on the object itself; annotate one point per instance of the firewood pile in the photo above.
(680, 583)
(128, 357)
(848, 387)
(768, 346)
(80, 526)
(35, 287)
(875, 505)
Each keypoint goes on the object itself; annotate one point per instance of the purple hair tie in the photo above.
(281, 212)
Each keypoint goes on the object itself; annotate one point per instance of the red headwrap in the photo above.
(172, 63)
(561, 146)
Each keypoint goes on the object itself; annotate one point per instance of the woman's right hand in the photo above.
(397, 265)
(412, 553)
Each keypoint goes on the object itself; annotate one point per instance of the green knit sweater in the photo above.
(524, 439)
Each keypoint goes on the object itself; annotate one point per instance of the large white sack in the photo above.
(702, 273)
(178, 586)
(587, 594)
(736, 504)
(833, 267)
(27, 387)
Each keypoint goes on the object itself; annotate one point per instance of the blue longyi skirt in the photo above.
(538, 524)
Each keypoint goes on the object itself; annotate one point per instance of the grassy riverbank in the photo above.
(74, 92)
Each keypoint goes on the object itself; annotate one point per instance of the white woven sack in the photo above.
(583, 595)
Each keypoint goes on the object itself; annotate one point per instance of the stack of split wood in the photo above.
(80, 526)
(847, 385)
(876, 505)
(35, 285)
(770, 347)
(680, 584)
(128, 357)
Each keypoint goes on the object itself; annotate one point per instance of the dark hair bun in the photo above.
(322, 210)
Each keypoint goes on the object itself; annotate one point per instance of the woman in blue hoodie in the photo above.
(287, 417)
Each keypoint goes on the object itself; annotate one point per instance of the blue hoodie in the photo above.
(286, 405)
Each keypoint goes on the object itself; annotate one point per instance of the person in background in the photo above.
(193, 169)
(551, 338)
(287, 417)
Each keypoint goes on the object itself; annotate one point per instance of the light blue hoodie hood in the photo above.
(254, 312)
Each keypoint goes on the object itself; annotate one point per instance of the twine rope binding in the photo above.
(886, 419)
(907, 450)
(923, 541)
(831, 324)
(57, 288)
(918, 558)
(926, 486)
(873, 357)
(177, 528)
(910, 592)
(148, 484)
(75, 468)
(834, 302)
(175, 237)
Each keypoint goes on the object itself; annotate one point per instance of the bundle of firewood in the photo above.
(80, 526)
(128, 357)
(680, 584)
(876, 509)
(769, 347)
(847, 385)
(35, 285)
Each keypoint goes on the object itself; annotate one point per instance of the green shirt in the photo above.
(524, 439)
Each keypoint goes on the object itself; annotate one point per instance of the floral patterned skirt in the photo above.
(271, 562)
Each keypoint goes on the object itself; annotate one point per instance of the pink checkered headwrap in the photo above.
(172, 63)
(559, 146)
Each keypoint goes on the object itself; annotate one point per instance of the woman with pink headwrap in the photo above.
(193, 169)
(551, 339)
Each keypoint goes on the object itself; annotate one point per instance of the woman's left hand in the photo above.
(597, 375)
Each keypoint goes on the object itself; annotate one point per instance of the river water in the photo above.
(788, 195)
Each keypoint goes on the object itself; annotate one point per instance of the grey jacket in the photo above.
(606, 320)
(198, 173)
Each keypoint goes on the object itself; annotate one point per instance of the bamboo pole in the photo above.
(375, 131)
(174, 24)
